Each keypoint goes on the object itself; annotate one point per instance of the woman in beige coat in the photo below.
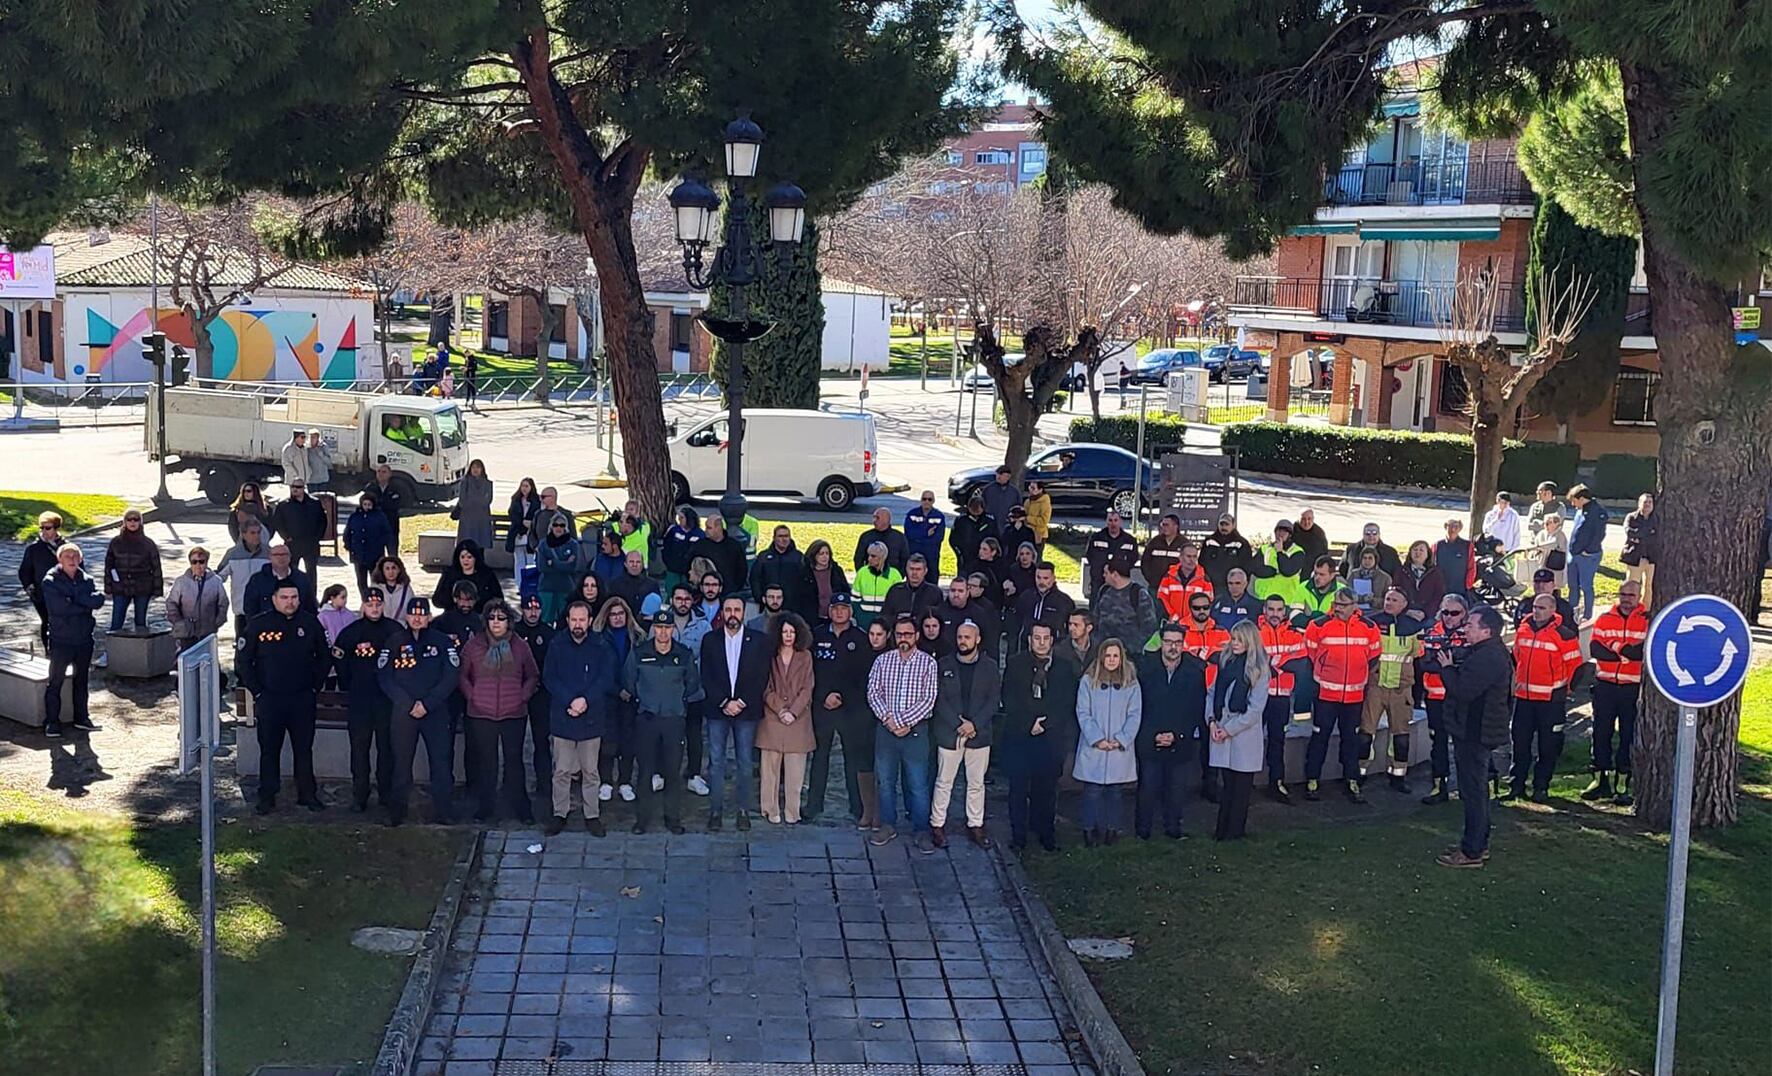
(784, 734)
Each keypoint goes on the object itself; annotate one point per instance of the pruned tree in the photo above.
(215, 256)
(1499, 378)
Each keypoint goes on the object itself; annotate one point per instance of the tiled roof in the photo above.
(123, 261)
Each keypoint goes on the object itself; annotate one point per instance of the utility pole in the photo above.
(161, 495)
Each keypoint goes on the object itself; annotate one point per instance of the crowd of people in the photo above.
(623, 667)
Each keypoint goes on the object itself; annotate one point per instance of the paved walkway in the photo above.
(781, 951)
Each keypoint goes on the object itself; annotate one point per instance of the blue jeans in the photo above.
(906, 755)
(744, 741)
(1104, 806)
(120, 605)
(1582, 569)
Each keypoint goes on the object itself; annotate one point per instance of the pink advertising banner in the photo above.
(27, 274)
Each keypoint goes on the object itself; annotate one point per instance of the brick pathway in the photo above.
(772, 953)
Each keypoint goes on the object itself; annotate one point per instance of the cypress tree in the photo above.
(1563, 250)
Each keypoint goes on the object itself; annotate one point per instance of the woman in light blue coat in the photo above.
(1239, 698)
(1109, 707)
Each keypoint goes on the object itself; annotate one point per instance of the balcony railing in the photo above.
(1429, 182)
(1374, 302)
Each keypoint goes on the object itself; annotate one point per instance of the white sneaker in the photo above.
(604, 793)
(658, 782)
(698, 786)
(627, 793)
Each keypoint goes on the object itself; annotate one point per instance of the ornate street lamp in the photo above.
(735, 264)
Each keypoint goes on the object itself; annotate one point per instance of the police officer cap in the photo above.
(532, 602)
(1284, 525)
(663, 616)
(1544, 575)
(419, 605)
(840, 598)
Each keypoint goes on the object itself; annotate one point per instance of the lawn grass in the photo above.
(1347, 950)
(99, 969)
(19, 511)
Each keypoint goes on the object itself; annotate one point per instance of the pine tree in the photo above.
(1222, 117)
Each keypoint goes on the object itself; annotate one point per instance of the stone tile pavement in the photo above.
(782, 951)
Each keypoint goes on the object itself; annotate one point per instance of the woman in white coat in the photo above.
(1234, 725)
(1109, 707)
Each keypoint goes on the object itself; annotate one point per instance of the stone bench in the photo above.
(23, 678)
(435, 548)
(141, 655)
(332, 743)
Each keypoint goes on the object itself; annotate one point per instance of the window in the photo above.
(952, 158)
(45, 338)
(991, 156)
(1033, 158)
(498, 319)
(1633, 397)
(557, 311)
(409, 432)
(1455, 392)
(681, 329)
(451, 428)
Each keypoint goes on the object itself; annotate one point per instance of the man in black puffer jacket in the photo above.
(1479, 685)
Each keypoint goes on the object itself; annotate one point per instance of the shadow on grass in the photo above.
(100, 968)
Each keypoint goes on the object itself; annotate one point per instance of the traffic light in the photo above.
(154, 349)
(180, 372)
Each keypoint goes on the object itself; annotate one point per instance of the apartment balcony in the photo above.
(1429, 182)
(1407, 303)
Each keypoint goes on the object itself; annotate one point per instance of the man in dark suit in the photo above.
(734, 672)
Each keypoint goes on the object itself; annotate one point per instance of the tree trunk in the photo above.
(1021, 414)
(203, 345)
(1714, 411)
(1094, 399)
(1489, 426)
(384, 328)
(544, 337)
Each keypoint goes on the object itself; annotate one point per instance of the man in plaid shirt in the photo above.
(901, 692)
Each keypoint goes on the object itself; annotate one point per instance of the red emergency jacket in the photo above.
(1341, 654)
(1173, 592)
(1205, 643)
(1617, 644)
(1545, 659)
(1284, 643)
(1432, 683)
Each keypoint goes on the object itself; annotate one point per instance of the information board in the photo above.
(1197, 488)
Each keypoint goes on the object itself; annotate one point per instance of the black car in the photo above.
(1087, 476)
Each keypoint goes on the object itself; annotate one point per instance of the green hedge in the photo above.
(1386, 457)
(1621, 476)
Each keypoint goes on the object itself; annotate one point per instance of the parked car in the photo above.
(831, 455)
(1224, 362)
(1156, 366)
(1088, 476)
(1107, 376)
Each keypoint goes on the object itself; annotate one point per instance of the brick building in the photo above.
(1360, 290)
(1000, 154)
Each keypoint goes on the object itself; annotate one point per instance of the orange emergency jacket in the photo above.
(1545, 659)
(1205, 643)
(1622, 634)
(1432, 683)
(1284, 643)
(1173, 592)
(1341, 654)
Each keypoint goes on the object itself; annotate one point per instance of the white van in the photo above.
(831, 455)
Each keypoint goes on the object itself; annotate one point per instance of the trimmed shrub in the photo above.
(1382, 457)
(1618, 475)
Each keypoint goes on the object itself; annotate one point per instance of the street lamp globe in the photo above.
(744, 139)
(787, 212)
(696, 208)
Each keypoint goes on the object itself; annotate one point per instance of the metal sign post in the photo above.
(199, 735)
(1697, 654)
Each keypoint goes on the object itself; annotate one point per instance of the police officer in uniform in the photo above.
(659, 675)
(459, 623)
(283, 660)
(536, 632)
(418, 670)
(841, 661)
(367, 710)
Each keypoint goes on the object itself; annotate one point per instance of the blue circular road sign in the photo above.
(1697, 650)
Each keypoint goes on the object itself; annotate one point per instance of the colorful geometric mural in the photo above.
(247, 343)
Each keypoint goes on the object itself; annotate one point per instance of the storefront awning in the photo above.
(1333, 228)
(1432, 229)
(1404, 106)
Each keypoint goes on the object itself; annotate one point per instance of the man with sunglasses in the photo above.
(368, 711)
(924, 528)
(38, 561)
(1285, 648)
(1205, 640)
(1342, 650)
(1445, 636)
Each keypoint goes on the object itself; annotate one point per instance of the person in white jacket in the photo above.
(319, 462)
(295, 458)
(1109, 708)
(238, 566)
(197, 604)
(1234, 716)
(1503, 523)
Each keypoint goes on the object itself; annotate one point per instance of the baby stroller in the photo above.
(1495, 585)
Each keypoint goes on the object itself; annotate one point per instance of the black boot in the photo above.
(1623, 798)
(1400, 783)
(1276, 791)
(1514, 792)
(1438, 794)
(1600, 788)
(1310, 791)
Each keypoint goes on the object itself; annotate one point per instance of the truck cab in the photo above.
(426, 440)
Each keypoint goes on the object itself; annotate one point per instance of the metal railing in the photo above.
(1429, 182)
(1376, 302)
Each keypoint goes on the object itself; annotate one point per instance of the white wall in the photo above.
(857, 331)
(303, 338)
